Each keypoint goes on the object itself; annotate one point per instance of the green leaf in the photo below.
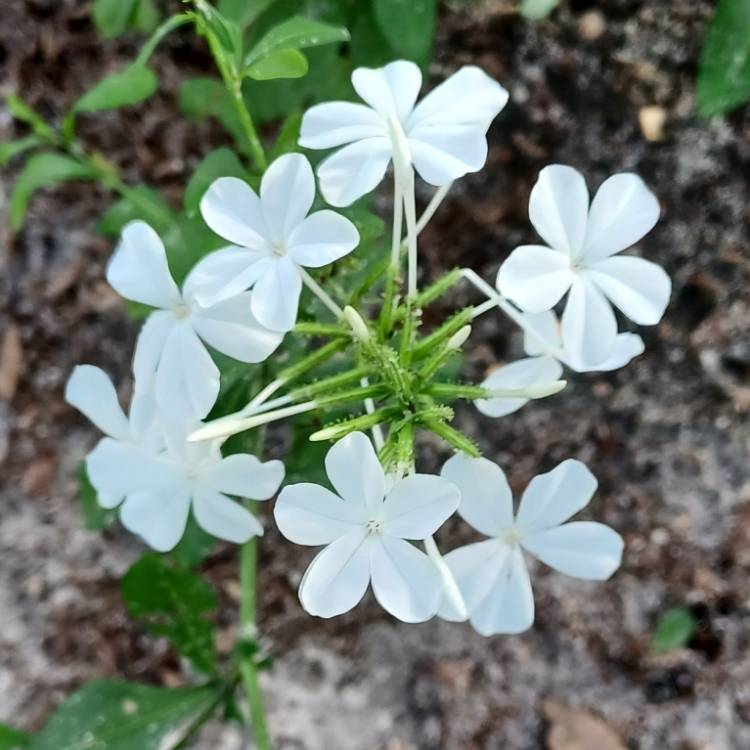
(194, 546)
(675, 629)
(146, 17)
(129, 86)
(174, 603)
(296, 33)
(538, 9)
(187, 240)
(42, 170)
(95, 517)
(113, 16)
(124, 210)
(724, 74)
(23, 112)
(208, 97)
(222, 162)
(226, 32)
(408, 25)
(10, 149)
(13, 739)
(286, 140)
(243, 12)
(115, 715)
(281, 63)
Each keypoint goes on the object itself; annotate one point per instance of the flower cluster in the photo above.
(162, 460)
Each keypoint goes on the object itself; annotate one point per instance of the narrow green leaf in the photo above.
(112, 17)
(226, 32)
(23, 112)
(10, 149)
(538, 9)
(281, 63)
(244, 12)
(95, 517)
(13, 739)
(724, 74)
(286, 140)
(222, 162)
(129, 86)
(675, 629)
(408, 25)
(115, 715)
(124, 210)
(42, 170)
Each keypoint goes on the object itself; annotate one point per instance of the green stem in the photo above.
(253, 141)
(166, 28)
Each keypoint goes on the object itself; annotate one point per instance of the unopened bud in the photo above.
(458, 339)
(358, 326)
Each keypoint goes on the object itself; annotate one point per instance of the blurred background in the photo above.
(657, 658)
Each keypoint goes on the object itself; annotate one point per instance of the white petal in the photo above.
(509, 605)
(638, 287)
(623, 211)
(337, 123)
(224, 518)
(444, 153)
(548, 336)
(231, 208)
(109, 500)
(158, 516)
(627, 347)
(144, 419)
(245, 476)
(187, 380)
(468, 97)
(405, 581)
(322, 238)
(231, 328)
(558, 208)
(275, 298)
(138, 269)
(582, 549)
(475, 569)
(354, 171)
(552, 498)
(418, 505)
(287, 192)
(535, 277)
(486, 499)
(149, 347)
(309, 514)
(355, 471)
(391, 90)
(338, 576)
(523, 373)
(91, 392)
(589, 327)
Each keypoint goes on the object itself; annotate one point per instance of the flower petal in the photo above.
(558, 208)
(338, 576)
(355, 471)
(231, 208)
(158, 516)
(589, 327)
(638, 287)
(547, 338)
(287, 192)
(627, 347)
(468, 97)
(582, 549)
(337, 123)
(91, 392)
(405, 581)
(391, 90)
(623, 211)
(535, 277)
(354, 171)
(486, 499)
(138, 269)
(322, 238)
(443, 153)
(523, 373)
(418, 505)
(230, 327)
(275, 298)
(309, 514)
(224, 518)
(552, 498)
(245, 476)
(149, 347)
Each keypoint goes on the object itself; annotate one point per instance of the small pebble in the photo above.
(592, 25)
(652, 120)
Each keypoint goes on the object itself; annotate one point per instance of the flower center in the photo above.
(374, 526)
(279, 250)
(181, 311)
(512, 537)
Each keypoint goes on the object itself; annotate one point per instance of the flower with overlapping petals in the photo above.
(273, 239)
(443, 137)
(582, 258)
(492, 575)
(365, 526)
(170, 352)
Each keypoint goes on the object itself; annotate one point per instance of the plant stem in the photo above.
(321, 294)
(253, 142)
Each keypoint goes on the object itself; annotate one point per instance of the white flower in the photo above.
(365, 526)
(443, 137)
(492, 575)
(170, 349)
(582, 243)
(272, 236)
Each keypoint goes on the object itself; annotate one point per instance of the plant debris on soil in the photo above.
(604, 86)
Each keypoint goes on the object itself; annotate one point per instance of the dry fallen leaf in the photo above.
(11, 362)
(573, 729)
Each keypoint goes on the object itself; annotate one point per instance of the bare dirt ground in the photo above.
(667, 437)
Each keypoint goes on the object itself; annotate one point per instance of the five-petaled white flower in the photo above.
(443, 137)
(582, 242)
(492, 575)
(366, 526)
(170, 352)
(272, 236)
